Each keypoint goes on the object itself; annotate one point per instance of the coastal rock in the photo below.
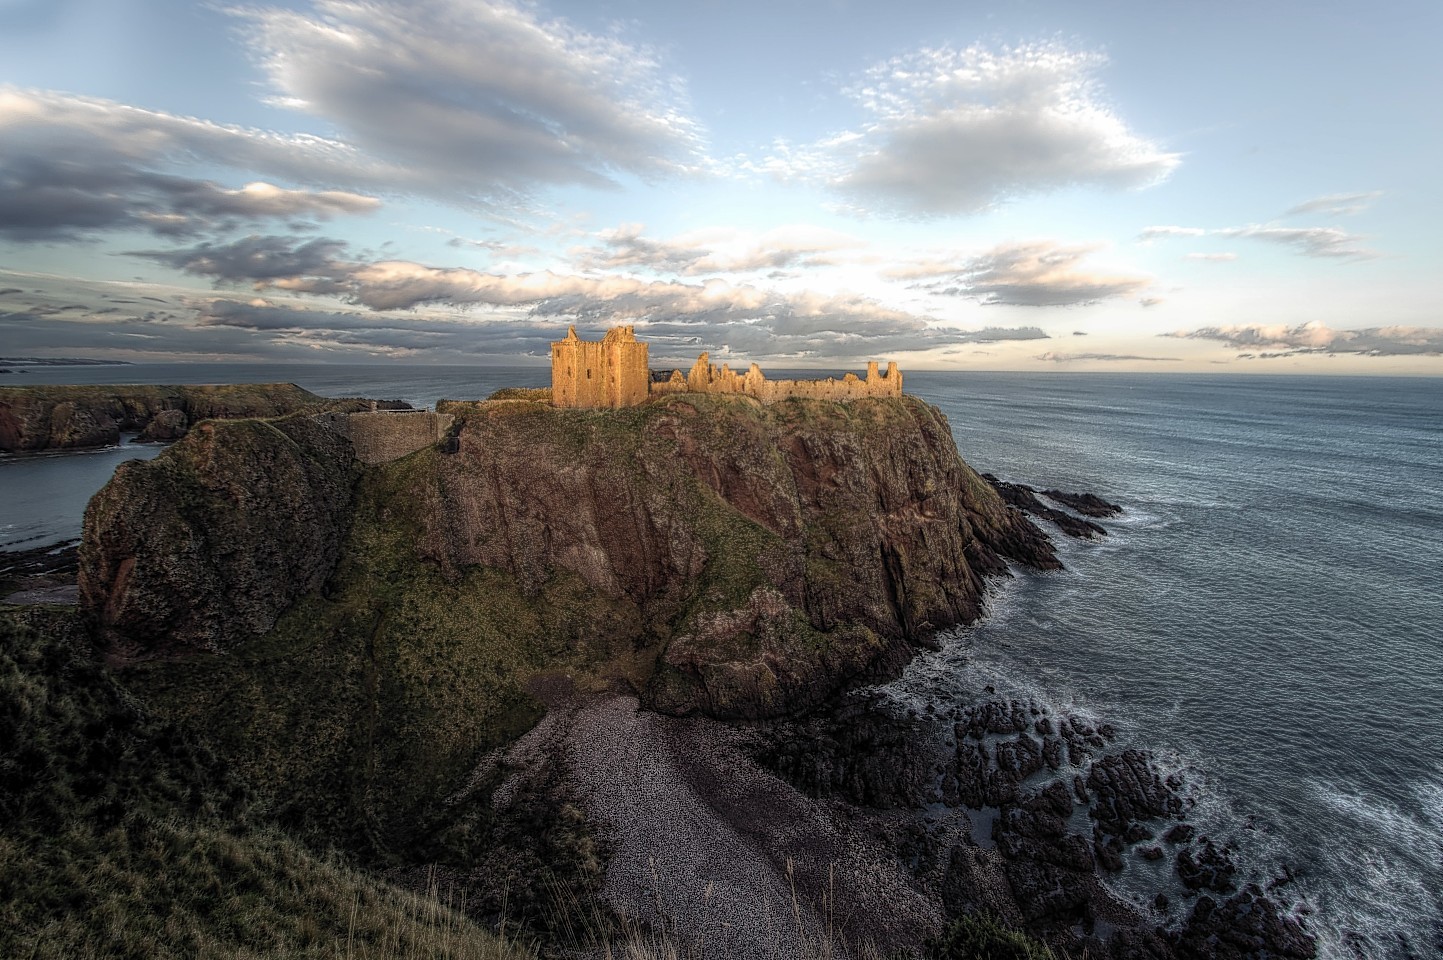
(1209, 867)
(1127, 788)
(1087, 504)
(1246, 925)
(75, 417)
(1024, 498)
(166, 426)
(73, 425)
(204, 546)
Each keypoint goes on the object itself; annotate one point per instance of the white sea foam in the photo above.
(1383, 897)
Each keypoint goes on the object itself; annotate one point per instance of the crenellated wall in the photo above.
(705, 378)
(386, 435)
(613, 373)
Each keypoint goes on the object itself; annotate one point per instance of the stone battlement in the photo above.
(614, 373)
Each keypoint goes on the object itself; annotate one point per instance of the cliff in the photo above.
(205, 545)
(766, 554)
(69, 417)
(776, 550)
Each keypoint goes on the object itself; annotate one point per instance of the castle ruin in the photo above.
(610, 374)
(614, 373)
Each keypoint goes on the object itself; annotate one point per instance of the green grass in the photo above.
(123, 835)
(981, 936)
(150, 888)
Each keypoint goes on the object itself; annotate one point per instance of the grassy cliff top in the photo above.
(58, 393)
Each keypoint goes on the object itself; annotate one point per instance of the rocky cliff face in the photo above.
(779, 550)
(70, 417)
(204, 546)
(765, 555)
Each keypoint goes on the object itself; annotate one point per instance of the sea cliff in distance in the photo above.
(358, 656)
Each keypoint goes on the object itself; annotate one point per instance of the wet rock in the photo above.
(1048, 868)
(1087, 504)
(1247, 925)
(1024, 498)
(1152, 853)
(1052, 752)
(1182, 833)
(861, 754)
(1207, 867)
(1108, 850)
(1128, 788)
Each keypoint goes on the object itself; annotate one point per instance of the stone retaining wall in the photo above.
(385, 435)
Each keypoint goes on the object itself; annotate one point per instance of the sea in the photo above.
(1266, 614)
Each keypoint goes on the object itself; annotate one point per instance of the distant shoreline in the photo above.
(60, 362)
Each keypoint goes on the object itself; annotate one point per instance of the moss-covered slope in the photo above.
(122, 835)
(67, 417)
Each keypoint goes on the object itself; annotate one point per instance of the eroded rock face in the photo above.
(769, 554)
(782, 550)
(204, 546)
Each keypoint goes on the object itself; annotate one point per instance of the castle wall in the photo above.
(383, 436)
(610, 374)
(614, 373)
(705, 378)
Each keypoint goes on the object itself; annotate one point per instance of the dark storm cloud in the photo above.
(253, 259)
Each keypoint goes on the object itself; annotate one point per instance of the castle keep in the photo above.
(614, 373)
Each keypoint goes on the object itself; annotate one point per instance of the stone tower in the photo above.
(609, 374)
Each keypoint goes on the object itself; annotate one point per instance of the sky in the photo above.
(1016, 185)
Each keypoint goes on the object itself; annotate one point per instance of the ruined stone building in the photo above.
(705, 378)
(614, 373)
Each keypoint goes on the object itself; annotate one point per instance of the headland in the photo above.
(525, 653)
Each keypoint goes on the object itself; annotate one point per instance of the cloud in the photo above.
(1035, 274)
(483, 99)
(71, 167)
(254, 259)
(471, 102)
(1336, 204)
(957, 131)
(1154, 233)
(684, 317)
(1074, 357)
(1310, 241)
(716, 251)
(1314, 337)
(1151, 301)
(1213, 257)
